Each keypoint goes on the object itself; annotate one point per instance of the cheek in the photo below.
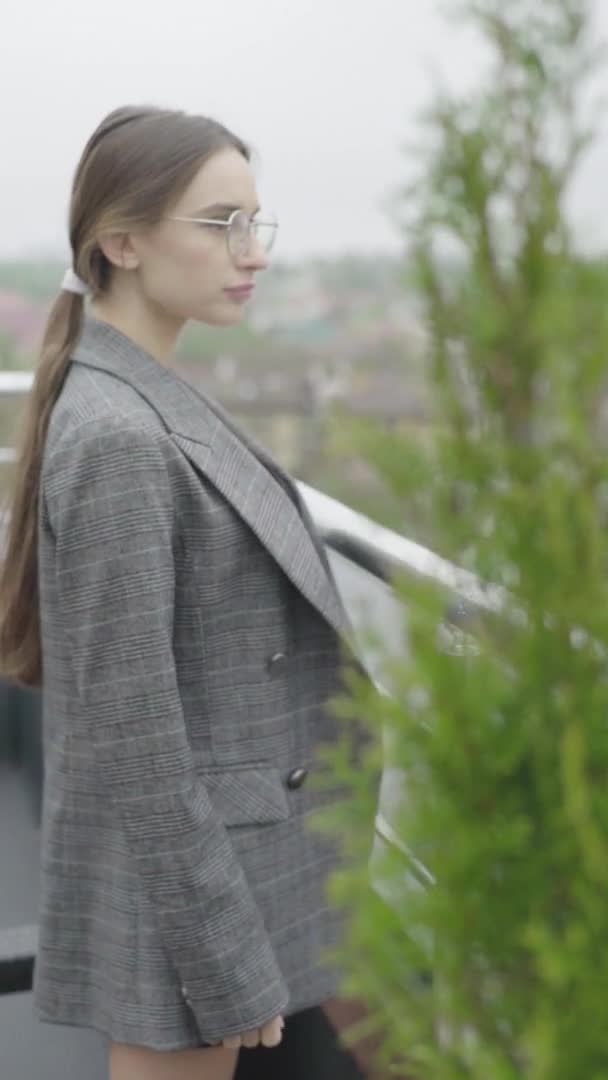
(173, 256)
(188, 277)
(202, 265)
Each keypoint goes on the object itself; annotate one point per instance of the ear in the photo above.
(118, 250)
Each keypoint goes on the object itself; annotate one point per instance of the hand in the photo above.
(270, 1034)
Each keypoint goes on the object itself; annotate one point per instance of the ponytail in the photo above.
(20, 647)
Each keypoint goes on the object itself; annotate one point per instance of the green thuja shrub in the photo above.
(485, 952)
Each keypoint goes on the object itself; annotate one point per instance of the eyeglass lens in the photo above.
(242, 228)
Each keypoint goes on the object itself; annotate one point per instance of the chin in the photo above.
(222, 316)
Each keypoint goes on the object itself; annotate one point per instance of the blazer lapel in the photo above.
(211, 444)
(276, 470)
(268, 510)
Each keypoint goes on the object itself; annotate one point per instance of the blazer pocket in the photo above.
(246, 796)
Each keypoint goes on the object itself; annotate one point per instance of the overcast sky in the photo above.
(326, 90)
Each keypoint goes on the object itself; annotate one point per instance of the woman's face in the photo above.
(184, 268)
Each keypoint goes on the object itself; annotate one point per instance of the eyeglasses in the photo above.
(240, 229)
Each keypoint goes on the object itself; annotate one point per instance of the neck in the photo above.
(147, 326)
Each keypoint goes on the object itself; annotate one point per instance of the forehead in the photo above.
(225, 178)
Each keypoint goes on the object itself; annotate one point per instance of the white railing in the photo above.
(15, 382)
(396, 552)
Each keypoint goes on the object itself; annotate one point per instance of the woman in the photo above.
(164, 585)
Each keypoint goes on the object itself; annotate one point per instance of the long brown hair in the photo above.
(134, 165)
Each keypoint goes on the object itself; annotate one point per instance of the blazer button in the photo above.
(276, 664)
(297, 777)
(185, 995)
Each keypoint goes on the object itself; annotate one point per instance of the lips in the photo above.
(240, 290)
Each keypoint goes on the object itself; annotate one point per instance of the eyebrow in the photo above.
(219, 208)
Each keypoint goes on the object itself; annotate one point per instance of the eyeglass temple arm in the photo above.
(214, 221)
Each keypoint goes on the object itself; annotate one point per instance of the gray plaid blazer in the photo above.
(192, 634)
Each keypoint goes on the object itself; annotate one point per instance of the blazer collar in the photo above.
(242, 473)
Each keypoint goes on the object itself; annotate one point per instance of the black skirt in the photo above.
(309, 1050)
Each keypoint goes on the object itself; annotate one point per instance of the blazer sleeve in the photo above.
(109, 504)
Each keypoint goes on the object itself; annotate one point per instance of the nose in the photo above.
(256, 258)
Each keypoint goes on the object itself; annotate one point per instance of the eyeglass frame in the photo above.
(227, 224)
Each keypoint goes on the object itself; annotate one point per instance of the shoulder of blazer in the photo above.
(124, 371)
(216, 451)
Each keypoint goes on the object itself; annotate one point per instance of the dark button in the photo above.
(277, 663)
(297, 777)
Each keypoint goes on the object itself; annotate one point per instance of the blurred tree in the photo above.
(482, 950)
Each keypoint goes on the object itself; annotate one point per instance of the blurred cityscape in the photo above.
(325, 341)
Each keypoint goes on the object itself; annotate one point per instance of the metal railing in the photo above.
(364, 543)
(15, 383)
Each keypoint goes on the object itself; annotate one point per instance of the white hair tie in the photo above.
(72, 283)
